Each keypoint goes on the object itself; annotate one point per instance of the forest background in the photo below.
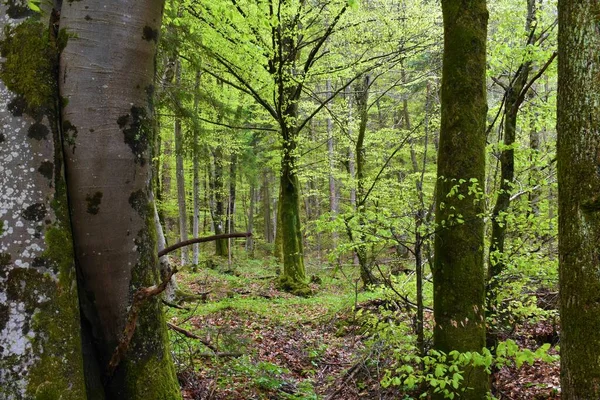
(308, 137)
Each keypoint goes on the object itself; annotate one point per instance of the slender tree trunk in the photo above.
(107, 138)
(165, 261)
(219, 202)
(333, 201)
(266, 200)
(250, 227)
(180, 176)
(232, 183)
(196, 180)
(362, 100)
(41, 353)
(512, 103)
(458, 275)
(535, 172)
(578, 157)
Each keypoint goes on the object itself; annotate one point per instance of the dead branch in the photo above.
(192, 335)
(139, 298)
(202, 240)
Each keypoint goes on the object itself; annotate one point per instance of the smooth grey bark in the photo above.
(40, 338)
(165, 261)
(106, 83)
(578, 157)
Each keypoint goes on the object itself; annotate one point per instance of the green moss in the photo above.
(35, 212)
(38, 131)
(138, 200)
(27, 69)
(148, 367)
(296, 288)
(46, 168)
(59, 347)
(93, 203)
(150, 34)
(137, 131)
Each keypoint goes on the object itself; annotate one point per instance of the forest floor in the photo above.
(244, 339)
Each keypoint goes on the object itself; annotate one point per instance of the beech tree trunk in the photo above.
(458, 274)
(180, 175)
(106, 83)
(40, 337)
(219, 202)
(578, 157)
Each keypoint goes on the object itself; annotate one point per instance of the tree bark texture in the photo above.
(578, 157)
(40, 339)
(106, 83)
(458, 275)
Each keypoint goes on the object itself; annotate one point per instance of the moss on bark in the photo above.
(459, 286)
(578, 160)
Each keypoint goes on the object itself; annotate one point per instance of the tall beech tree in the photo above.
(106, 88)
(458, 274)
(40, 342)
(102, 137)
(578, 158)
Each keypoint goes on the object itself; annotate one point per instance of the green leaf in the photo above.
(34, 6)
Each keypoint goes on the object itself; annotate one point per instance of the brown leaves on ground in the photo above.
(318, 349)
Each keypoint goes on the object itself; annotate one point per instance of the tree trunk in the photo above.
(578, 157)
(249, 240)
(458, 275)
(180, 176)
(266, 200)
(40, 337)
(219, 200)
(362, 100)
(294, 276)
(196, 181)
(333, 201)
(512, 103)
(232, 182)
(165, 261)
(106, 78)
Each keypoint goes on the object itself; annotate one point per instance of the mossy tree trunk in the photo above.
(219, 201)
(289, 230)
(578, 157)
(40, 338)
(107, 84)
(458, 275)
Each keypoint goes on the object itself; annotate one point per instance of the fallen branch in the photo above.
(139, 298)
(192, 335)
(202, 240)
(173, 305)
